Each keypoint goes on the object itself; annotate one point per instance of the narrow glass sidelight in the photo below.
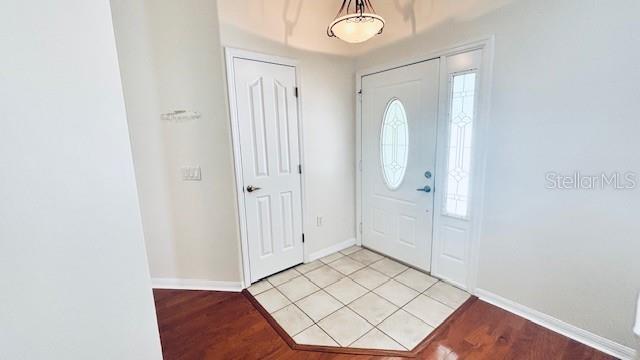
(394, 144)
(461, 118)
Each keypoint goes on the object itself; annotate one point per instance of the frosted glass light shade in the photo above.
(356, 28)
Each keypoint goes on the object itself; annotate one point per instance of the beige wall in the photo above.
(74, 275)
(171, 59)
(564, 98)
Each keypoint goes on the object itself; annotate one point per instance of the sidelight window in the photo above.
(461, 116)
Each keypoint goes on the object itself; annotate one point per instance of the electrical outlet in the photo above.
(191, 173)
(319, 220)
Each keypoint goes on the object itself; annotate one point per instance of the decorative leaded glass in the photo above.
(394, 144)
(460, 136)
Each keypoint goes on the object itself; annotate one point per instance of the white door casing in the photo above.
(452, 236)
(483, 65)
(398, 218)
(267, 149)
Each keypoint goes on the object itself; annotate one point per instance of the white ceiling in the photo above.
(302, 23)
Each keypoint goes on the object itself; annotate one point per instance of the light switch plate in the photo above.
(191, 173)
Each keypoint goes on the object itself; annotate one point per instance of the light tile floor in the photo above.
(357, 298)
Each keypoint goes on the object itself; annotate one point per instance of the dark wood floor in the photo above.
(221, 325)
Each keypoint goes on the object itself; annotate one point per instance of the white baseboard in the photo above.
(193, 284)
(595, 341)
(330, 250)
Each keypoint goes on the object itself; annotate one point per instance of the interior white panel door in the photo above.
(268, 130)
(398, 161)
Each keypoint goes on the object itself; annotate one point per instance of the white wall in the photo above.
(407, 18)
(171, 59)
(327, 98)
(565, 90)
(297, 24)
(74, 277)
(563, 100)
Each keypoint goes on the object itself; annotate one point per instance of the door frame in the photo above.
(230, 55)
(486, 44)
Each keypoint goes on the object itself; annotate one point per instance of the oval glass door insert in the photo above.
(394, 144)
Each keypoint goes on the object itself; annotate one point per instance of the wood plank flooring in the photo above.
(222, 325)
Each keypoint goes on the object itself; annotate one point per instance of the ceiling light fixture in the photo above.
(356, 22)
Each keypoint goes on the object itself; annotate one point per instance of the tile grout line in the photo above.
(331, 337)
(311, 293)
(382, 297)
(294, 304)
(387, 335)
(313, 322)
(346, 305)
(399, 307)
(442, 302)
(328, 293)
(263, 291)
(349, 304)
(371, 291)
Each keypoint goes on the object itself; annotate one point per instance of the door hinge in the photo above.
(303, 238)
(299, 169)
(360, 165)
(296, 92)
(360, 228)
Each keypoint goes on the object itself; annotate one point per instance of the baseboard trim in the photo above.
(331, 249)
(583, 336)
(194, 284)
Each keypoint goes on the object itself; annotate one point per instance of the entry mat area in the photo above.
(357, 298)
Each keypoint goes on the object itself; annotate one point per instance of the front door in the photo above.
(266, 111)
(399, 114)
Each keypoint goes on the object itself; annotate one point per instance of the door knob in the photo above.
(426, 189)
(252, 188)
